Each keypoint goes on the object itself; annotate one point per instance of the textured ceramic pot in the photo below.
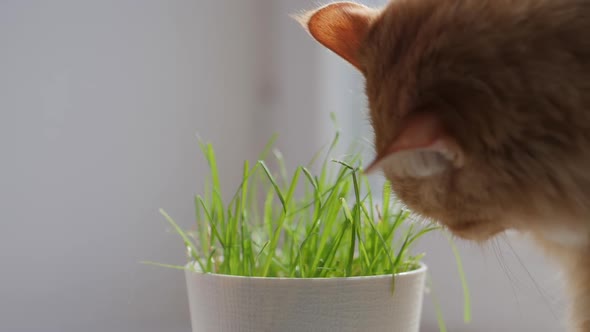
(220, 303)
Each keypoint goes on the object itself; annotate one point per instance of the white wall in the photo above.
(293, 74)
(99, 105)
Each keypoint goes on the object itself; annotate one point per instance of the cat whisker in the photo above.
(505, 268)
(546, 298)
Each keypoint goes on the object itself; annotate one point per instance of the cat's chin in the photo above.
(478, 231)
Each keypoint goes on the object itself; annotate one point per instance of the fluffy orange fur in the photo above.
(503, 86)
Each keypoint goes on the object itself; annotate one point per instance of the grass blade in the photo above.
(168, 266)
(274, 184)
(466, 293)
(186, 239)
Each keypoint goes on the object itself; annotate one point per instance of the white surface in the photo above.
(99, 105)
(238, 304)
(513, 288)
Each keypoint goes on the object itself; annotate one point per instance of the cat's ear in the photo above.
(341, 27)
(423, 147)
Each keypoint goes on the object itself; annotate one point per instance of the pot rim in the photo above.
(422, 269)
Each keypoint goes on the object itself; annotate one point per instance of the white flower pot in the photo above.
(220, 303)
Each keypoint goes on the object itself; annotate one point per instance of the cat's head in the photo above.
(439, 137)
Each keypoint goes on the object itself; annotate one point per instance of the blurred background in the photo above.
(100, 104)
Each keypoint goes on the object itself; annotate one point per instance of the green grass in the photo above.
(318, 221)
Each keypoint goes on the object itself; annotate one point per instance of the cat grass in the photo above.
(300, 224)
(322, 220)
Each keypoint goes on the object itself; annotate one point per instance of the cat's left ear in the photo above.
(423, 140)
(341, 27)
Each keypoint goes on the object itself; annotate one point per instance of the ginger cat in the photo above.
(481, 115)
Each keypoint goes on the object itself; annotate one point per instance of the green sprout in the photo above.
(318, 221)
